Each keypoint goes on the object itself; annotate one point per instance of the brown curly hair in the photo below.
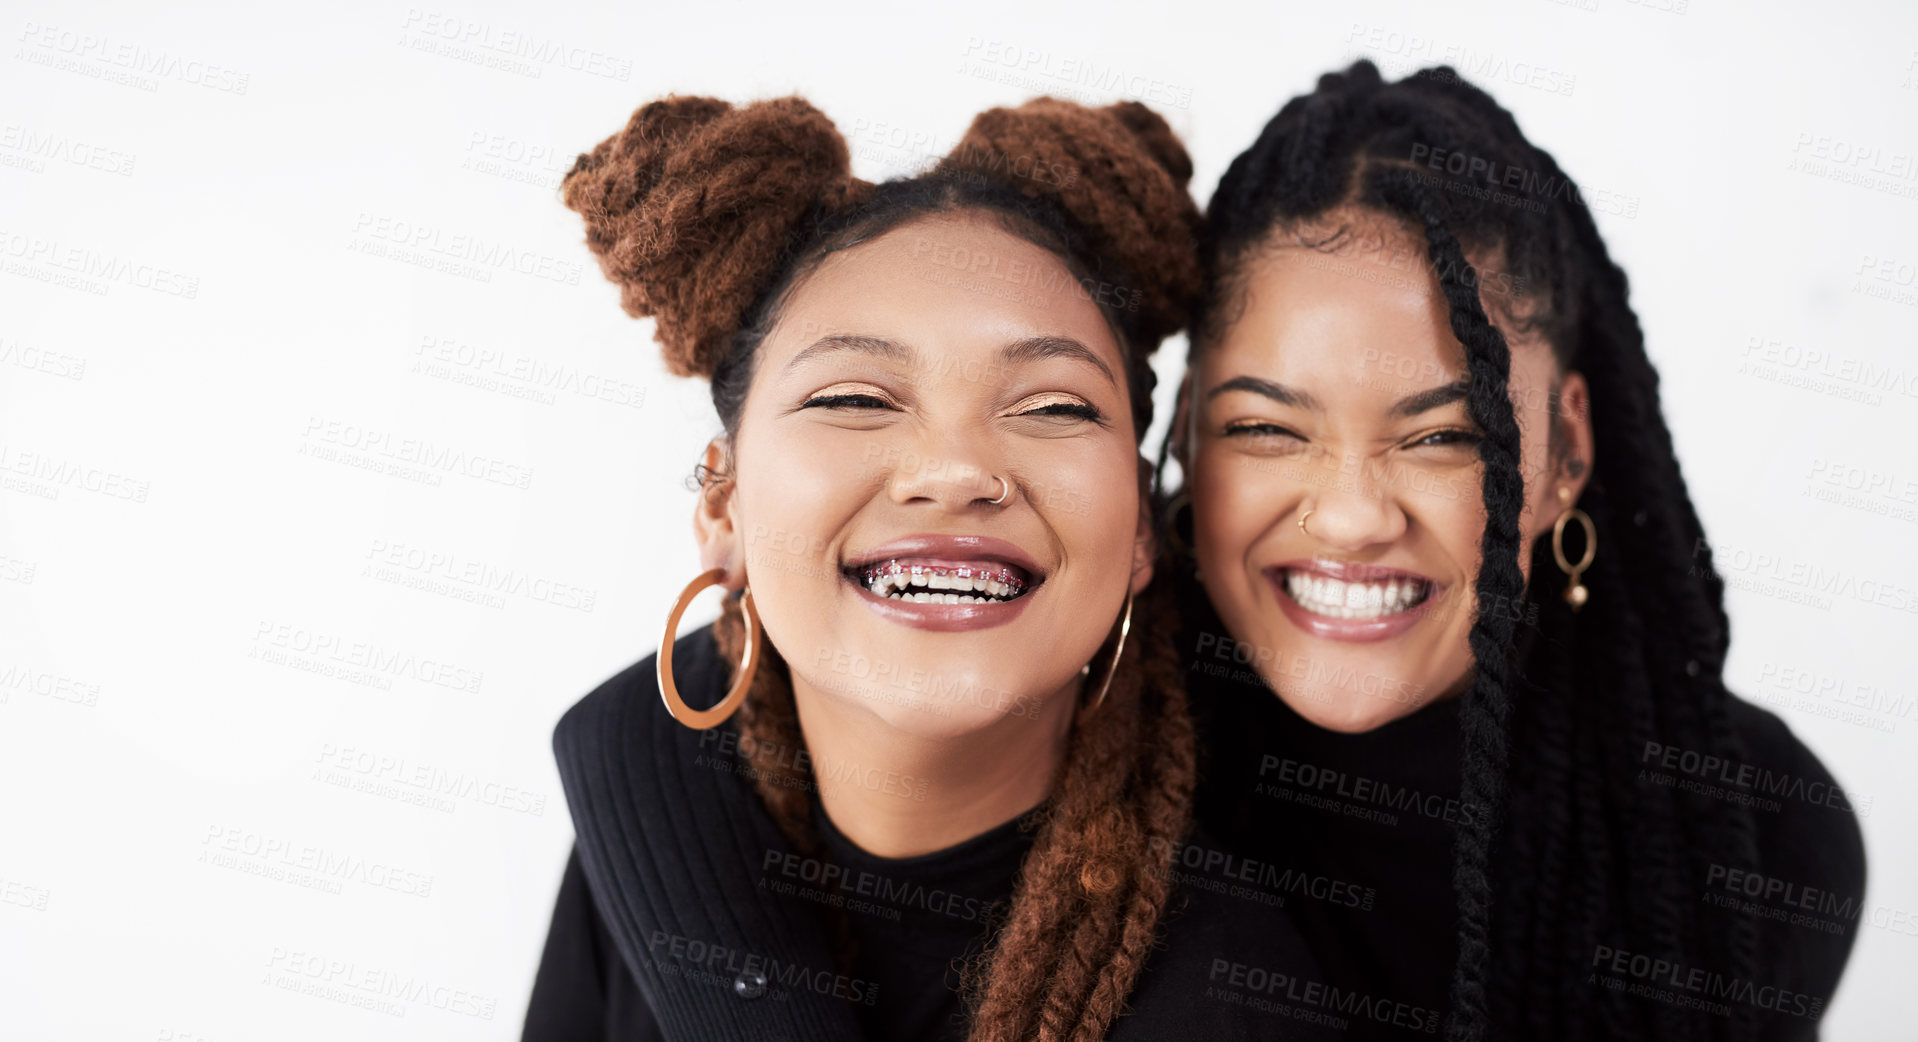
(707, 216)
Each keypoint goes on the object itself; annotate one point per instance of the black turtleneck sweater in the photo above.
(915, 921)
(1376, 813)
(1369, 817)
(682, 914)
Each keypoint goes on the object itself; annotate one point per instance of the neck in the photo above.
(898, 794)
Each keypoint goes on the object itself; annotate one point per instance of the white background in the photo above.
(183, 534)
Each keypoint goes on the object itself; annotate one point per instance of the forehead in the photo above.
(1337, 308)
(1354, 295)
(956, 282)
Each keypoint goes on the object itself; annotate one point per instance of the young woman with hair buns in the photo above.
(941, 666)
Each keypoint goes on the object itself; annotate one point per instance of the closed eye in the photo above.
(1449, 437)
(1260, 428)
(1078, 409)
(1058, 405)
(846, 401)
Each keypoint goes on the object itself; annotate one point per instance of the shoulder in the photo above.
(626, 707)
(622, 758)
(627, 767)
(670, 836)
(1805, 817)
(1808, 888)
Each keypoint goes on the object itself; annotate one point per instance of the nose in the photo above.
(956, 478)
(1355, 509)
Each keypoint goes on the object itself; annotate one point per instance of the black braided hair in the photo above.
(1585, 855)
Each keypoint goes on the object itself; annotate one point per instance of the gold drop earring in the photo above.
(1575, 592)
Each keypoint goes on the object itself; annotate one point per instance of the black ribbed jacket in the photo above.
(665, 846)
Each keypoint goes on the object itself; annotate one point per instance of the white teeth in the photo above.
(1336, 599)
(922, 584)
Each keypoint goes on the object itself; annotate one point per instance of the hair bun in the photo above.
(690, 209)
(1156, 135)
(1120, 173)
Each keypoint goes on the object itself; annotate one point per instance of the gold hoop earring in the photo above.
(1575, 592)
(706, 719)
(1125, 627)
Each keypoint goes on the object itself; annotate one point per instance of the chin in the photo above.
(1340, 709)
(934, 703)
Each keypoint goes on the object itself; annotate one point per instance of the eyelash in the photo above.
(1452, 435)
(870, 401)
(1079, 409)
(1261, 429)
(1457, 436)
(841, 401)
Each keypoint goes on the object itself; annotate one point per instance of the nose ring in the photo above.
(1004, 492)
(1302, 518)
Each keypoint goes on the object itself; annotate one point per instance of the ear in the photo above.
(1145, 540)
(1575, 432)
(1572, 456)
(715, 520)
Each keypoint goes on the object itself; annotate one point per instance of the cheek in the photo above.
(789, 508)
(1458, 522)
(785, 492)
(1233, 511)
(1090, 500)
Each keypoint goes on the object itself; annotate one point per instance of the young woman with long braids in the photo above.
(1416, 387)
(929, 502)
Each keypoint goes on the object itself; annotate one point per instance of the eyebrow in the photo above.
(871, 345)
(1277, 392)
(1431, 398)
(1030, 349)
(1036, 348)
(1410, 405)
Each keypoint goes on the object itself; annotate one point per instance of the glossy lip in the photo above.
(956, 549)
(1350, 630)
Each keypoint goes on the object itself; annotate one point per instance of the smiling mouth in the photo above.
(1341, 599)
(927, 581)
